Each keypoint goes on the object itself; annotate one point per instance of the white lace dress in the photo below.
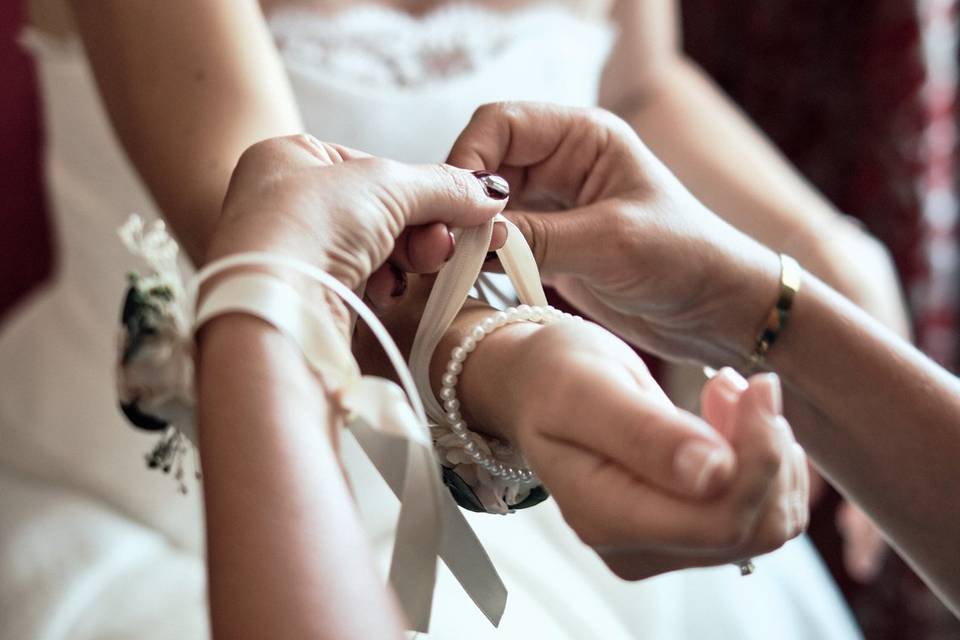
(93, 545)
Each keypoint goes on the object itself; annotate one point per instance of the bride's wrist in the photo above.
(326, 304)
(242, 345)
(490, 387)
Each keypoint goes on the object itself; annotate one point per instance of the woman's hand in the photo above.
(632, 247)
(345, 211)
(650, 487)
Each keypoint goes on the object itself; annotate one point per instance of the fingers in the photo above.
(330, 151)
(415, 194)
(670, 449)
(719, 399)
(627, 417)
(425, 194)
(423, 249)
(761, 433)
(640, 530)
(565, 151)
(558, 239)
(293, 153)
(385, 288)
(610, 508)
(864, 549)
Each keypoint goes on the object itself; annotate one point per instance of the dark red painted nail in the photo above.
(494, 186)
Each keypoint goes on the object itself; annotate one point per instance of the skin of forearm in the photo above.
(188, 86)
(736, 172)
(896, 450)
(724, 161)
(287, 554)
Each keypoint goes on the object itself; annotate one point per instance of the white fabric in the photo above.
(94, 545)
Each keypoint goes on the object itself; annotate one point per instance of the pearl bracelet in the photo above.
(448, 385)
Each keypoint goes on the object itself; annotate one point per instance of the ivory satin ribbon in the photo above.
(391, 431)
(452, 287)
(391, 428)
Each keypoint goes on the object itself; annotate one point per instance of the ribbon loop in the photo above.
(392, 431)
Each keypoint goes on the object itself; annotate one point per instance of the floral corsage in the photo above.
(155, 367)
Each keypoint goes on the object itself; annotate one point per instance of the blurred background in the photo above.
(861, 96)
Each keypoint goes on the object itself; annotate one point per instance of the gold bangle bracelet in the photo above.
(776, 321)
(790, 277)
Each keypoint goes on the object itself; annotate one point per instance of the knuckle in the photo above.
(257, 153)
(455, 181)
(493, 112)
(732, 533)
(606, 120)
(773, 537)
(534, 230)
(376, 168)
(768, 458)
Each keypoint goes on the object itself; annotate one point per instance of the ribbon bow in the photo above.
(389, 425)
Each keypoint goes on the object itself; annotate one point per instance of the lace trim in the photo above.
(385, 47)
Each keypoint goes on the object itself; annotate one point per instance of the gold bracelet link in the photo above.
(779, 315)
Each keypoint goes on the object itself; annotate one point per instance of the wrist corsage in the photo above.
(155, 367)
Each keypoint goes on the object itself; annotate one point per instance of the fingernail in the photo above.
(399, 283)
(772, 393)
(732, 379)
(494, 186)
(453, 246)
(732, 384)
(697, 463)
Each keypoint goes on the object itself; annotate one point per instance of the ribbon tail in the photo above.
(387, 448)
(468, 561)
(413, 568)
(382, 418)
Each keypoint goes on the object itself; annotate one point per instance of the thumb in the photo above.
(442, 193)
(670, 448)
(568, 241)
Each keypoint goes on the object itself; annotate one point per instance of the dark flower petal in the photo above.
(140, 419)
(461, 491)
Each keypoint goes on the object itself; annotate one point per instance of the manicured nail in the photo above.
(399, 282)
(730, 383)
(453, 246)
(697, 463)
(494, 186)
(732, 380)
(772, 393)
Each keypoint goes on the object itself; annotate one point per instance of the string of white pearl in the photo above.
(448, 383)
